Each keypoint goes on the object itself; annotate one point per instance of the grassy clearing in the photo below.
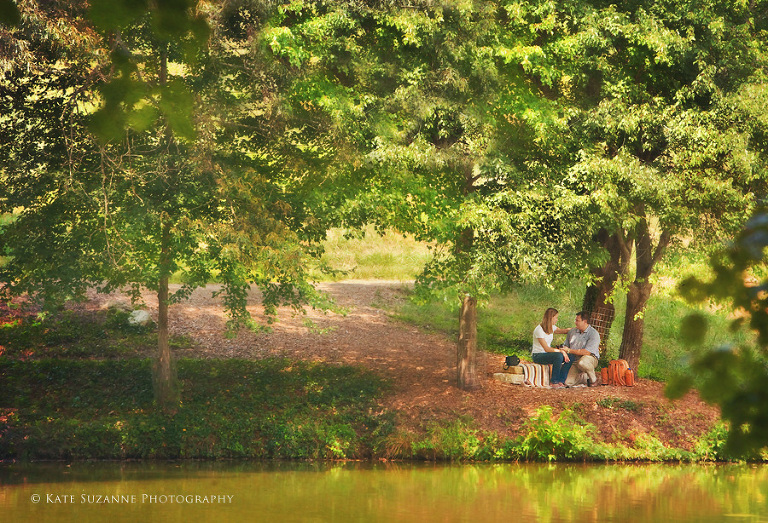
(363, 255)
(68, 334)
(506, 322)
(390, 256)
(78, 386)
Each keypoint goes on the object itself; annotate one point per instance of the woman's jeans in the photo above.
(559, 367)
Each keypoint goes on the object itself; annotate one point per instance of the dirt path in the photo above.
(422, 365)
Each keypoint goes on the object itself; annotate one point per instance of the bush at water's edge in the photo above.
(546, 437)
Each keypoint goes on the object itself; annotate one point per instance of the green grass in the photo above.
(79, 386)
(505, 323)
(547, 437)
(268, 409)
(390, 256)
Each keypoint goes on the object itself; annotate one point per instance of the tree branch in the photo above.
(662, 245)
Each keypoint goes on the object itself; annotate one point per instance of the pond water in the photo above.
(277, 492)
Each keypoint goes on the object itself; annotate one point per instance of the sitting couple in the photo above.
(581, 348)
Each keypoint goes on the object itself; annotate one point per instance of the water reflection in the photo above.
(421, 493)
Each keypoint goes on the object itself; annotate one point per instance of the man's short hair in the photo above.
(584, 315)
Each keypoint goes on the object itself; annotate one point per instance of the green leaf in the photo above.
(143, 118)
(694, 329)
(177, 104)
(109, 15)
(108, 123)
(171, 18)
(9, 13)
(678, 386)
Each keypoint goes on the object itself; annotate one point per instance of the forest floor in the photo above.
(421, 366)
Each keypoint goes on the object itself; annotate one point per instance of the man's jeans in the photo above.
(559, 368)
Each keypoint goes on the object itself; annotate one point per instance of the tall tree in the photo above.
(159, 192)
(662, 152)
(451, 131)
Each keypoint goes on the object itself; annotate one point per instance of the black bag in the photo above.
(511, 361)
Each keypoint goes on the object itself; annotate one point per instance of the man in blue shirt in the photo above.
(583, 347)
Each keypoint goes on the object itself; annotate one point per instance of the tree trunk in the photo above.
(467, 348)
(639, 292)
(598, 294)
(634, 323)
(166, 393)
(597, 297)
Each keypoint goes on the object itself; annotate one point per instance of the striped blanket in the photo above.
(535, 375)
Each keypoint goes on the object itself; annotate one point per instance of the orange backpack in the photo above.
(617, 370)
(629, 378)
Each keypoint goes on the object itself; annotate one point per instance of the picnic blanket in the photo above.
(535, 375)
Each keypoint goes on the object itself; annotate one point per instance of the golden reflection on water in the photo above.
(85, 492)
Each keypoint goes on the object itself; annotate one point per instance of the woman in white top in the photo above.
(544, 354)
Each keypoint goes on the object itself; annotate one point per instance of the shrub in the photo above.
(548, 438)
(713, 446)
(454, 440)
